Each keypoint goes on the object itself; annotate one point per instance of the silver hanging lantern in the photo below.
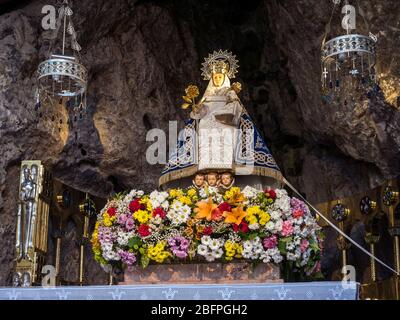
(348, 58)
(63, 75)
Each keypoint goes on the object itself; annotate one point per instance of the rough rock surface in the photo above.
(142, 54)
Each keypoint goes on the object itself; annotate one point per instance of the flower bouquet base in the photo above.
(206, 273)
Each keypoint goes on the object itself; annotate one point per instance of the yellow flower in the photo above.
(185, 200)
(107, 220)
(253, 210)
(233, 250)
(234, 196)
(252, 219)
(147, 203)
(192, 193)
(142, 216)
(264, 218)
(157, 252)
(175, 193)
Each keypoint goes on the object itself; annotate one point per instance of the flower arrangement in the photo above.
(185, 225)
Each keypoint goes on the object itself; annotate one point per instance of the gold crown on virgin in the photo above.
(220, 62)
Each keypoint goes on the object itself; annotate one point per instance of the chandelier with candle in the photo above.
(62, 76)
(349, 59)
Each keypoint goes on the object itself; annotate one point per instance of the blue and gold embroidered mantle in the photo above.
(252, 156)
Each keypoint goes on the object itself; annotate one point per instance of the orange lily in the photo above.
(205, 210)
(236, 216)
(236, 198)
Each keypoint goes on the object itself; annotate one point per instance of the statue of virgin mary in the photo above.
(220, 137)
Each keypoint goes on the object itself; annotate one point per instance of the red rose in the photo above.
(144, 230)
(112, 212)
(159, 212)
(243, 227)
(224, 206)
(298, 214)
(135, 205)
(270, 193)
(208, 231)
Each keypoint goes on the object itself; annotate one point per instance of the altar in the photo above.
(287, 291)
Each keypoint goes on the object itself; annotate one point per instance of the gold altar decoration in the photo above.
(35, 192)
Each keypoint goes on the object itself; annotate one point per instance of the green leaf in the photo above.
(282, 247)
(134, 243)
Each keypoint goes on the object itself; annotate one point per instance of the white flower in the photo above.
(165, 205)
(176, 206)
(250, 192)
(186, 210)
(157, 220)
(270, 226)
(275, 255)
(218, 198)
(282, 202)
(254, 226)
(213, 190)
(206, 240)
(202, 250)
(158, 198)
(210, 257)
(203, 194)
(281, 193)
(252, 249)
(111, 255)
(275, 215)
(290, 246)
(291, 257)
(123, 238)
(214, 244)
(278, 226)
(218, 253)
(247, 246)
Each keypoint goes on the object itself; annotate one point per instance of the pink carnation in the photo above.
(304, 245)
(130, 224)
(287, 228)
(271, 242)
(122, 219)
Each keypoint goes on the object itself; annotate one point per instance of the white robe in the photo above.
(218, 127)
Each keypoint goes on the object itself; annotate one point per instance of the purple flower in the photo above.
(129, 224)
(271, 242)
(179, 246)
(122, 219)
(127, 257)
(297, 205)
(106, 235)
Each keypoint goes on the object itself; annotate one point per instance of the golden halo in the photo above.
(214, 58)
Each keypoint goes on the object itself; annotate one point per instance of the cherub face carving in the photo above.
(212, 179)
(226, 179)
(199, 180)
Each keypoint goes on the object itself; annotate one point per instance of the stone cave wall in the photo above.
(142, 54)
